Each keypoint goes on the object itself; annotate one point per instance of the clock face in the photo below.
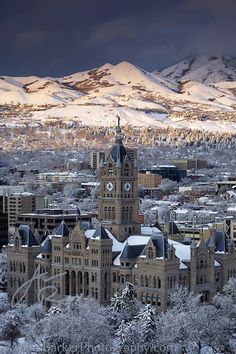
(127, 186)
(109, 186)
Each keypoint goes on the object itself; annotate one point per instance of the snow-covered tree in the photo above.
(123, 307)
(4, 303)
(191, 327)
(230, 289)
(80, 326)
(167, 185)
(11, 326)
(3, 270)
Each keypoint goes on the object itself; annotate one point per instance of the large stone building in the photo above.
(99, 262)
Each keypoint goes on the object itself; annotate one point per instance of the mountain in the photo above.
(204, 69)
(34, 90)
(141, 98)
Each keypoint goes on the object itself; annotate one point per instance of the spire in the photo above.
(118, 152)
(202, 242)
(118, 132)
(100, 233)
(101, 164)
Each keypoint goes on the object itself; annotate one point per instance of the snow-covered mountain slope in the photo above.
(34, 90)
(141, 98)
(203, 69)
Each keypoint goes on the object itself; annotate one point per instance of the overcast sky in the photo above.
(58, 37)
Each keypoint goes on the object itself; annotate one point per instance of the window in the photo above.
(105, 213)
(110, 170)
(150, 253)
(154, 282)
(17, 243)
(126, 170)
(113, 213)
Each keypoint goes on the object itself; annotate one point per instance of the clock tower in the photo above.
(119, 199)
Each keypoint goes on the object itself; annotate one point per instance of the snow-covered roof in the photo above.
(183, 252)
(116, 247)
(148, 230)
(133, 240)
(181, 211)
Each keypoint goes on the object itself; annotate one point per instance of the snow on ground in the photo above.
(95, 97)
(207, 69)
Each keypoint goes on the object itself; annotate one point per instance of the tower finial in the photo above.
(118, 131)
(118, 121)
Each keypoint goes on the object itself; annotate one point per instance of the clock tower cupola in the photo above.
(119, 199)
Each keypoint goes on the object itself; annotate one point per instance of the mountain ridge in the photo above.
(204, 69)
(140, 97)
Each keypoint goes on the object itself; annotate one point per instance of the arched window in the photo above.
(150, 253)
(146, 281)
(127, 213)
(109, 213)
(17, 243)
(130, 213)
(154, 282)
(201, 263)
(123, 213)
(105, 213)
(110, 170)
(126, 170)
(113, 213)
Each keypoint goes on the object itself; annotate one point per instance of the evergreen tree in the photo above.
(124, 307)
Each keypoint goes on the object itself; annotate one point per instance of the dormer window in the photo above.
(17, 243)
(202, 263)
(150, 253)
(126, 170)
(110, 170)
(77, 246)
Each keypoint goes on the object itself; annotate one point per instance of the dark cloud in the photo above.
(57, 37)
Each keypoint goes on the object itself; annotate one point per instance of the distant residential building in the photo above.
(198, 216)
(190, 164)
(149, 180)
(5, 190)
(66, 177)
(232, 211)
(229, 184)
